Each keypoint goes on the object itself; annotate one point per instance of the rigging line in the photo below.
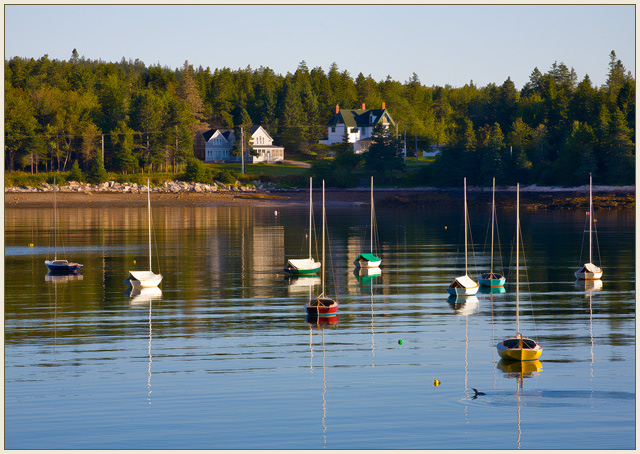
(584, 230)
(595, 232)
(526, 271)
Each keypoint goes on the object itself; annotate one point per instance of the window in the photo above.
(333, 129)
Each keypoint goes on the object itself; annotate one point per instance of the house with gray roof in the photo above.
(358, 124)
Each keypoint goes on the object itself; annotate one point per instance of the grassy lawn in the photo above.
(273, 170)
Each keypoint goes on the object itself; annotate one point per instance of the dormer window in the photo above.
(372, 118)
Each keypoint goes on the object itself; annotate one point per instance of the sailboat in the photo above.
(369, 260)
(518, 348)
(322, 306)
(59, 265)
(145, 278)
(589, 270)
(492, 279)
(464, 285)
(308, 266)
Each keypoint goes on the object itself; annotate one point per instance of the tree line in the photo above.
(128, 117)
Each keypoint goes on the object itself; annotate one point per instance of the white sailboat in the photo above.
(369, 260)
(296, 267)
(464, 285)
(492, 279)
(518, 348)
(145, 278)
(56, 265)
(589, 271)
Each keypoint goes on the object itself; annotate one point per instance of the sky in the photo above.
(441, 44)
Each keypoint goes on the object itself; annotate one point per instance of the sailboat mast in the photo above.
(323, 261)
(55, 221)
(465, 226)
(590, 219)
(371, 248)
(149, 215)
(493, 211)
(518, 258)
(310, 211)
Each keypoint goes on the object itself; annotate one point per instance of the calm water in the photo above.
(225, 358)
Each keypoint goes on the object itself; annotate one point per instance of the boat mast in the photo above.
(55, 222)
(310, 211)
(149, 215)
(372, 214)
(518, 258)
(493, 211)
(590, 219)
(465, 226)
(323, 261)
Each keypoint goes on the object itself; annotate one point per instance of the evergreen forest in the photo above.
(93, 116)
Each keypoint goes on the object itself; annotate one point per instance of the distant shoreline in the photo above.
(532, 197)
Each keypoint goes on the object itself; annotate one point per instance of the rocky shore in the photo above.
(176, 193)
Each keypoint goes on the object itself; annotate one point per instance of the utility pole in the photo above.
(242, 147)
(416, 136)
(404, 159)
(103, 148)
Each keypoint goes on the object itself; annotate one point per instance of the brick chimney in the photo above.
(337, 109)
(363, 107)
(383, 107)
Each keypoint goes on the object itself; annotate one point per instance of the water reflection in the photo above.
(139, 298)
(589, 285)
(519, 370)
(491, 290)
(305, 284)
(62, 277)
(320, 323)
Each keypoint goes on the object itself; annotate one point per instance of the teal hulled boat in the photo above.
(492, 279)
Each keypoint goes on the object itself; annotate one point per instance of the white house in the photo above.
(217, 145)
(262, 144)
(358, 123)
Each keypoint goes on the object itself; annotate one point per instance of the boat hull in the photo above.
(367, 263)
(587, 276)
(519, 349)
(322, 307)
(144, 283)
(302, 272)
(486, 280)
(62, 266)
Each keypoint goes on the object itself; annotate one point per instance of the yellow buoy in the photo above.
(436, 382)
(134, 262)
(30, 244)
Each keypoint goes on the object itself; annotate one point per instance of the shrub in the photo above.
(197, 172)
(76, 173)
(227, 176)
(97, 173)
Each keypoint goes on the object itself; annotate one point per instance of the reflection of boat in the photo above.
(492, 279)
(302, 283)
(464, 285)
(464, 304)
(60, 277)
(518, 348)
(305, 266)
(145, 278)
(320, 323)
(589, 270)
(59, 265)
(369, 260)
(491, 290)
(519, 370)
(146, 295)
(366, 276)
(322, 305)
(143, 295)
(589, 285)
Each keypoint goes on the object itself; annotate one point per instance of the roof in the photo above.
(358, 117)
(591, 268)
(368, 257)
(303, 264)
(223, 132)
(464, 282)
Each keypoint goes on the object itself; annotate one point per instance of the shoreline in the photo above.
(531, 197)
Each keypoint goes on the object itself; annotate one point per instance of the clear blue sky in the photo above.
(442, 44)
